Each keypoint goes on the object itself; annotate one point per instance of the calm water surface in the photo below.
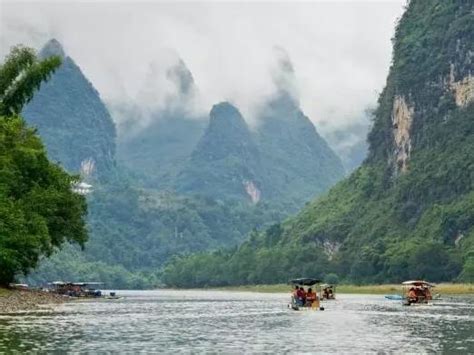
(238, 322)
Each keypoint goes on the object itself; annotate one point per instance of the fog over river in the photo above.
(172, 321)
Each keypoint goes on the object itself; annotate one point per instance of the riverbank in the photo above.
(443, 288)
(12, 301)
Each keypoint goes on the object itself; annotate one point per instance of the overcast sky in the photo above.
(340, 51)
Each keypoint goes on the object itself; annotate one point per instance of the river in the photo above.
(241, 322)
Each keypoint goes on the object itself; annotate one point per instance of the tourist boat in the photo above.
(417, 292)
(76, 289)
(328, 292)
(296, 304)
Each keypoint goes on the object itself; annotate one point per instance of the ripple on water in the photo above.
(211, 321)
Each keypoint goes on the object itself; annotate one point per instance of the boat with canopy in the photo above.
(417, 292)
(302, 299)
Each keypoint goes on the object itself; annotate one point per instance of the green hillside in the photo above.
(408, 211)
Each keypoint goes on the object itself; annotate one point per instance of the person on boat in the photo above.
(310, 297)
(301, 296)
(294, 295)
(427, 294)
(330, 294)
(412, 296)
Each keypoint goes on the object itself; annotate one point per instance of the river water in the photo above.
(241, 322)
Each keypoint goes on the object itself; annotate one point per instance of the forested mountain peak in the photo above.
(224, 118)
(225, 162)
(52, 47)
(299, 162)
(72, 120)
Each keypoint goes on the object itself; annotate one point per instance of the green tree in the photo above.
(38, 209)
(20, 75)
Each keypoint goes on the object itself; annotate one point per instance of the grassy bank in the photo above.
(444, 288)
(4, 292)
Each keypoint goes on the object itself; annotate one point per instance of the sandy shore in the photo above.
(12, 301)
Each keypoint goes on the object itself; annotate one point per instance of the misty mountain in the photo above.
(72, 120)
(226, 161)
(408, 211)
(297, 162)
(182, 184)
(155, 154)
(154, 146)
(350, 142)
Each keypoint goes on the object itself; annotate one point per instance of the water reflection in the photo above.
(205, 321)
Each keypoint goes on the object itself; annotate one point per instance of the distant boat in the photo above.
(394, 297)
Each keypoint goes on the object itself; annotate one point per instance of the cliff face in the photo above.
(414, 195)
(72, 120)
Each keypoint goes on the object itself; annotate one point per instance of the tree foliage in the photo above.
(38, 210)
(20, 75)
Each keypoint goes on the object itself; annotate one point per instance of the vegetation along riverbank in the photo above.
(442, 288)
(12, 301)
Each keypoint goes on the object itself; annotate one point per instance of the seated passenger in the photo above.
(428, 295)
(330, 294)
(310, 297)
(295, 292)
(301, 296)
(412, 296)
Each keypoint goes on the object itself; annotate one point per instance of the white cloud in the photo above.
(340, 51)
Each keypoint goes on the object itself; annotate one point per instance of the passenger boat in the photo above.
(328, 292)
(417, 292)
(76, 289)
(298, 304)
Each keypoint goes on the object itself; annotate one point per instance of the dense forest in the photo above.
(408, 211)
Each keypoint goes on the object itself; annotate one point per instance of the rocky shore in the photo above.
(12, 301)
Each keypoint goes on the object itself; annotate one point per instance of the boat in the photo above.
(112, 296)
(394, 297)
(417, 292)
(298, 304)
(328, 292)
(76, 289)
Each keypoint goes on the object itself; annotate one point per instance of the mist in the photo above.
(338, 52)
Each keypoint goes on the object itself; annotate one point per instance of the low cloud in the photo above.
(340, 51)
